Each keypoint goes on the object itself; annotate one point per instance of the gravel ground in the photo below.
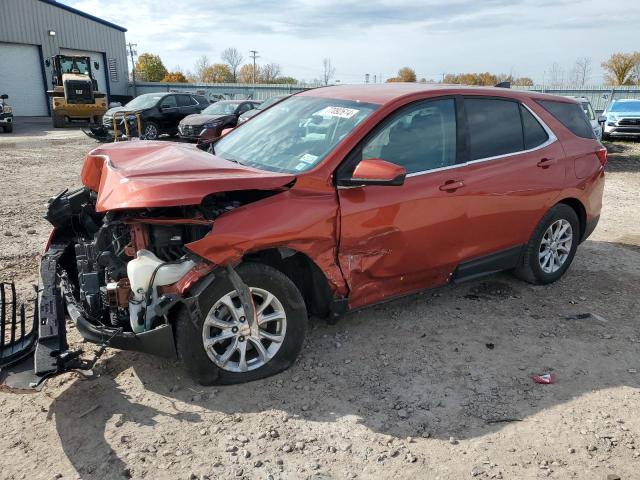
(436, 385)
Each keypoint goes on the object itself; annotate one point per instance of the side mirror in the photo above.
(47, 62)
(4, 96)
(602, 119)
(96, 65)
(375, 171)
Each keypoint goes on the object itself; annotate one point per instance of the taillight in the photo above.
(602, 155)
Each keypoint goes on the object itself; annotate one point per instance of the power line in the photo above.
(254, 55)
(133, 52)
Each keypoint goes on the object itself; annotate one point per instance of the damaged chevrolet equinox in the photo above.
(331, 200)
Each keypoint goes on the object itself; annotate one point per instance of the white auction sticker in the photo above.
(342, 112)
(308, 158)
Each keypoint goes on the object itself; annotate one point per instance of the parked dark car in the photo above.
(160, 113)
(264, 105)
(6, 114)
(214, 119)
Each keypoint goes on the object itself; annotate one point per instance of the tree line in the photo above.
(231, 69)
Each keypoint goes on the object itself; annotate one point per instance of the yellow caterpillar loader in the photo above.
(75, 98)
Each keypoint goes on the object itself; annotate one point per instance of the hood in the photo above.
(145, 174)
(111, 111)
(626, 114)
(201, 119)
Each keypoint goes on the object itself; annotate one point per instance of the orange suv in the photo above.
(331, 200)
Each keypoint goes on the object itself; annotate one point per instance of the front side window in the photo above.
(494, 127)
(420, 138)
(294, 135)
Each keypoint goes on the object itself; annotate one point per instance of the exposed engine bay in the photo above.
(124, 268)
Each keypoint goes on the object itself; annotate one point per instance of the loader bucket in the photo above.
(18, 326)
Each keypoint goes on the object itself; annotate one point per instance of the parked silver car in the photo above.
(621, 119)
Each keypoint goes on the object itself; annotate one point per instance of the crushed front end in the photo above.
(117, 274)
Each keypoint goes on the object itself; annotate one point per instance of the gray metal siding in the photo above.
(28, 21)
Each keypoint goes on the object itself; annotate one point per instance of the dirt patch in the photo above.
(409, 389)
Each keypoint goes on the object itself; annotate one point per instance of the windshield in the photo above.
(269, 101)
(77, 65)
(294, 135)
(633, 106)
(147, 100)
(588, 111)
(221, 108)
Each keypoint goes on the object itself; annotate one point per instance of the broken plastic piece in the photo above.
(545, 378)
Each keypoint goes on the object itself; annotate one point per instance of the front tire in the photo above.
(219, 349)
(8, 128)
(552, 246)
(58, 120)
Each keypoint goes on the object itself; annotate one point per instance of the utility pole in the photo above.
(254, 55)
(133, 52)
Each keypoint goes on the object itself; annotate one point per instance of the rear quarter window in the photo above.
(571, 115)
(534, 134)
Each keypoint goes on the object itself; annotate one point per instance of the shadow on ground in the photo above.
(452, 362)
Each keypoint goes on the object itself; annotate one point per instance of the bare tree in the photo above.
(232, 57)
(269, 72)
(556, 75)
(582, 71)
(201, 67)
(327, 71)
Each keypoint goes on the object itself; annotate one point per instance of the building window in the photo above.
(113, 69)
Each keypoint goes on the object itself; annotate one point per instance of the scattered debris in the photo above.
(545, 378)
(490, 346)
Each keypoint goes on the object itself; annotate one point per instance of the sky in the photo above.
(434, 37)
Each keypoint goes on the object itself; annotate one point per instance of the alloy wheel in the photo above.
(555, 246)
(150, 132)
(230, 342)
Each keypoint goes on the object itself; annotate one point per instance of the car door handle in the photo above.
(451, 185)
(546, 162)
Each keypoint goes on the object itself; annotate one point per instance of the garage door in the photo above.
(98, 74)
(21, 79)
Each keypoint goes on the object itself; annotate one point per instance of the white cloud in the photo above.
(380, 36)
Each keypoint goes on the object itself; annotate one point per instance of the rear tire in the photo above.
(552, 246)
(8, 128)
(206, 364)
(58, 120)
(150, 131)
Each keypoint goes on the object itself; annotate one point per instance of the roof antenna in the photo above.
(503, 85)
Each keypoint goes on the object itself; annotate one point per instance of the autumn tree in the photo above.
(201, 66)
(174, 77)
(217, 73)
(245, 74)
(328, 71)
(523, 82)
(233, 58)
(620, 66)
(286, 80)
(405, 74)
(149, 68)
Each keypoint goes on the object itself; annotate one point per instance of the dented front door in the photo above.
(395, 240)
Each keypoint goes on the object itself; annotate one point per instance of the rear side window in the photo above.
(494, 127)
(571, 115)
(186, 100)
(534, 134)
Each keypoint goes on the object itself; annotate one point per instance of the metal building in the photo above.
(33, 30)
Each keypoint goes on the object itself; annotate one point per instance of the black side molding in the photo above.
(493, 263)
